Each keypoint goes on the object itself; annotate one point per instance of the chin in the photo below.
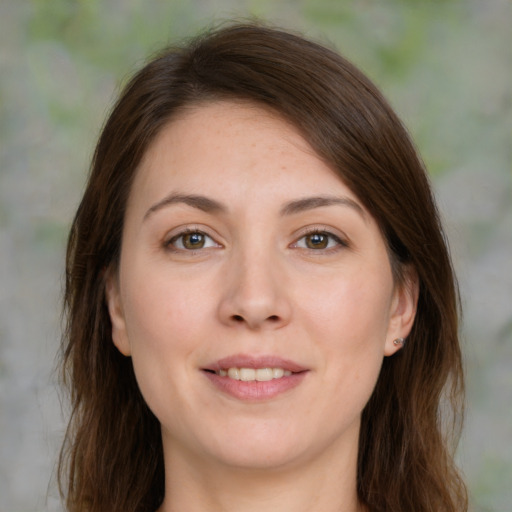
(268, 447)
(255, 457)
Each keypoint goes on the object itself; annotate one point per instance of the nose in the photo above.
(255, 294)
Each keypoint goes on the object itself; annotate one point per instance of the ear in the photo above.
(403, 310)
(115, 310)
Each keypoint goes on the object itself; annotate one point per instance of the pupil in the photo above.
(193, 240)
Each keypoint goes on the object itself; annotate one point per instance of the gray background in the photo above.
(446, 67)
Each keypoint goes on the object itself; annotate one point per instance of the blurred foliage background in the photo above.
(446, 66)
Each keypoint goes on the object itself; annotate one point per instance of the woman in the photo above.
(261, 306)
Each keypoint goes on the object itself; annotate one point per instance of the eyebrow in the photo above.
(209, 205)
(309, 203)
(202, 203)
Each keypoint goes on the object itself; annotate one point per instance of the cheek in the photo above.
(158, 317)
(160, 303)
(349, 324)
(351, 309)
(160, 329)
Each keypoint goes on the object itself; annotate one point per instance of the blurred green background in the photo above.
(446, 66)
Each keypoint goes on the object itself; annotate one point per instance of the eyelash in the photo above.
(338, 242)
(170, 244)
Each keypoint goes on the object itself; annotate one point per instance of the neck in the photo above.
(326, 485)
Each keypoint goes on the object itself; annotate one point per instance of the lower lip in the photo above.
(255, 390)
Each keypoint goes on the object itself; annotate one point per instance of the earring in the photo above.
(399, 342)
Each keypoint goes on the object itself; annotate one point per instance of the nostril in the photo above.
(240, 318)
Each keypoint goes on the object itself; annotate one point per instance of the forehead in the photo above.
(236, 147)
(240, 128)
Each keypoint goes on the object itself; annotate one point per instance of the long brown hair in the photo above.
(112, 456)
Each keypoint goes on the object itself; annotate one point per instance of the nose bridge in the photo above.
(257, 280)
(255, 294)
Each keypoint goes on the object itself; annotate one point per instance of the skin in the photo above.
(258, 286)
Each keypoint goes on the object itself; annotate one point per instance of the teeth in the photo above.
(234, 373)
(277, 373)
(251, 374)
(247, 374)
(263, 374)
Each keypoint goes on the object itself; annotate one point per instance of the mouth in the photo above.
(252, 374)
(255, 378)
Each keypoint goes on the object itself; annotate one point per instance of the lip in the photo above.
(255, 390)
(247, 361)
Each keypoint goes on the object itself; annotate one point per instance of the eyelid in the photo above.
(340, 238)
(181, 231)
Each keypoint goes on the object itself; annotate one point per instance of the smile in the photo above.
(255, 378)
(254, 374)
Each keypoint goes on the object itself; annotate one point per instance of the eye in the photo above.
(319, 240)
(191, 240)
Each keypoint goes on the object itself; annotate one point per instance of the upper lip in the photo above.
(248, 361)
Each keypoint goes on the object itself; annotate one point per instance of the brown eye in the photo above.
(317, 241)
(191, 241)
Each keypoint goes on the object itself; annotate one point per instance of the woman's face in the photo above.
(254, 293)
